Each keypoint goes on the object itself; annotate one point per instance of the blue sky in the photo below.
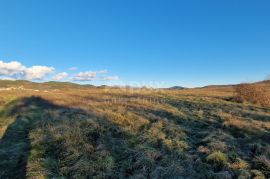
(142, 42)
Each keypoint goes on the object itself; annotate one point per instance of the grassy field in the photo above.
(67, 131)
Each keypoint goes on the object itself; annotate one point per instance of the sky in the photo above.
(157, 43)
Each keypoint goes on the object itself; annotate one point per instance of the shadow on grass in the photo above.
(73, 143)
(69, 142)
(14, 150)
(15, 143)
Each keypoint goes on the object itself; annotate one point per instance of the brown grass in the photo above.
(252, 93)
(116, 133)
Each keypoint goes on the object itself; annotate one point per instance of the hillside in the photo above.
(63, 130)
(44, 86)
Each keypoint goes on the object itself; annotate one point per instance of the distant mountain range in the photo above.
(62, 85)
(177, 88)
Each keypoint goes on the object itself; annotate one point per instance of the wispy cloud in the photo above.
(85, 76)
(60, 76)
(97, 75)
(110, 78)
(102, 72)
(73, 68)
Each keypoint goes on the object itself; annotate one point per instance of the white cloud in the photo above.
(11, 68)
(90, 76)
(73, 68)
(60, 76)
(37, 72)
(16, 70)
(85, 76)
(110, 78)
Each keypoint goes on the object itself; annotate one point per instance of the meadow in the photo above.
(61, 130)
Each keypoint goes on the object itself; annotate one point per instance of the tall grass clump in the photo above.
(252, 93)
(218, 160)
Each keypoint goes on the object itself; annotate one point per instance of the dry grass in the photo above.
(252, 93)
(116, 133)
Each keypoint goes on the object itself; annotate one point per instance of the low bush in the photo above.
(263, 162)
(240, 164)
(218, 160)
(252, 93)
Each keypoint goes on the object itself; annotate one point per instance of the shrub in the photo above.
(252, 93)
(263, 163)
(257, 174)
(218, 159)
(240, 164)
